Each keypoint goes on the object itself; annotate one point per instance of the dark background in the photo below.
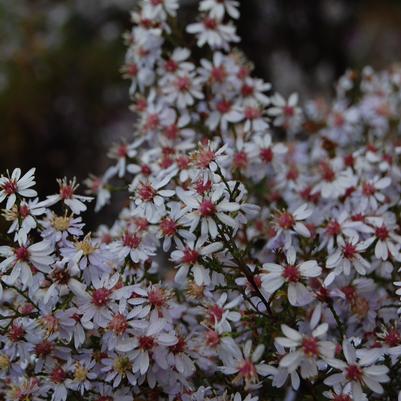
(62, 100)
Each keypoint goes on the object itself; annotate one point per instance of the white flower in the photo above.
(217, 8)
(347, 255)
(274, 276)
(23, 258)
(306, 351)
(285, 112)
(15, 185)
(68, 196)
(213, 32)
(357, 373)
(204, 210)
(246, 366)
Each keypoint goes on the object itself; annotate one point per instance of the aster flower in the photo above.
(357, 374)
(274, 276)
(15, 185)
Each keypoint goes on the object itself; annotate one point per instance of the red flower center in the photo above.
(118, 324)
(354, 373)
(16, 332)
(207, 208)
(216, 313)
(171, 65)
(157, 297)
(291, 274)
(146, 342)
(212, 339)
(210, 23)
(349, 251)
(286, 220)
(9, 187)
(393, 338)
(247, 90)
(179, 347)
(333, 228)
(183, 84)
(368, 189)
(218, 73)
(146, 192)
(44, 348)
(224, 106)
(131, 240)
(22, 253)
(66, 191)
(247, 369)
(382, 233)
(168, 227)
(310, 347)
(266, 155)
(240, 160)
(58, 375)
(190, 256)
(101, 296)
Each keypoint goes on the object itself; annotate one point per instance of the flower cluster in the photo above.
(241, 267)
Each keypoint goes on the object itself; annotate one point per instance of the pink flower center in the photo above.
(224, 106)
(168, 227)
(58, 375)
(266, 155)
(16, 333)
(66, 191)
(210, 23)
(288, 111)
(183, 162)
(291, 274)
(131, 240)
(118, 324)
(240, 160)
(183, 84)
(216, 313)
(44, 348)
(122, 151)
(247, 90)
(382, 233)
(292, 174)
(247, 369)
(368, 189)
(179, 347)
(333, 228)
(145, 170)
(132, 70)
(251, 113)
(286, 220)
(327, 172)
(190, 256)
(207, 208)
(218, 73)
(152, 122)
(212, 339)
(171, 131)
(9, 187)
(101, 296)
(310, 347)
(22, 253)
(349, 251)
(171, 65)
(202, 187)
(205, 157)
(354, 373)
(24, 211)
(146, 342)
(157, 297)
(146, 192)
(393, 338)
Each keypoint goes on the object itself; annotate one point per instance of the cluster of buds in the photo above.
(256, 256)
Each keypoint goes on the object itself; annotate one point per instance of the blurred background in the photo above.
(62, 100)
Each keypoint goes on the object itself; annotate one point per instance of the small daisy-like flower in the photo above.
(15, 185)
(274, 276)
(68, 197)
(306, 351)
(357, 373)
